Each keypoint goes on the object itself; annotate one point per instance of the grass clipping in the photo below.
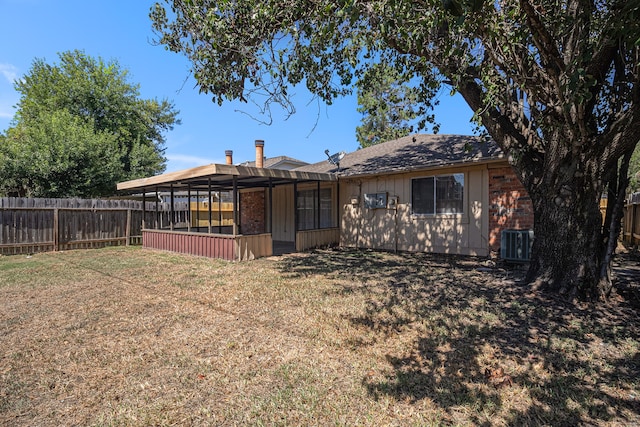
(125, 336)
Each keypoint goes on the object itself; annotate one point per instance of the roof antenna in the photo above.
(334, 159)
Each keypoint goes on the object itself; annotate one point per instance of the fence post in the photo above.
(128, 230)
(56, 230)
(632, 239)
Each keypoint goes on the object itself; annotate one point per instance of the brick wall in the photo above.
(509, 205)
(252, 212)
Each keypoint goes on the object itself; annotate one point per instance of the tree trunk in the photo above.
(617, 188)
(567, 253)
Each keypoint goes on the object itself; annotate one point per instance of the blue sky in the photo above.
(121, 30)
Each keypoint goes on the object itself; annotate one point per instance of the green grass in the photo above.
(125, 336)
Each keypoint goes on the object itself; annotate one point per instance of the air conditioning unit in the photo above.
(515, 245)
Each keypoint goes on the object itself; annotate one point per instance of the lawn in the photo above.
(126, 336)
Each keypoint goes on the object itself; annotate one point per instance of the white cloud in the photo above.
(9, 72)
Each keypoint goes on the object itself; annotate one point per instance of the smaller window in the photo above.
(442, 194)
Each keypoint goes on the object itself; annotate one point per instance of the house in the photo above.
(421, 193)
(433, 193)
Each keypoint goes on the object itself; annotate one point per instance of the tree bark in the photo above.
(567, 255)
(617, 188)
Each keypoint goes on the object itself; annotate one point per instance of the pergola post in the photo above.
(235, 205)
(209, 204)
(295, 214)
(188, 216)
(270, 205)
(171, 210)
(197, 210)
(219, 211)
(144, 207)
(337, 224)
(157, 225)
(318, 207)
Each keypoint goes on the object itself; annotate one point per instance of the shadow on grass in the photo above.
(485, 344)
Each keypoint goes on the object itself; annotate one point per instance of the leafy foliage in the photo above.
(80, 128)
(58, 155)
(555, 84)
(388, 106)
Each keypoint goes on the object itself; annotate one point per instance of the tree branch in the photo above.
(543, 39)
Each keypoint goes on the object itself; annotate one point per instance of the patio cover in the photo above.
(222, 177)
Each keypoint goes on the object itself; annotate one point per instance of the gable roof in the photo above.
(413, 152)
(279, 162)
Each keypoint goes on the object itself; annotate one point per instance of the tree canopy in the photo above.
(81, 127)
(387, 105)
(554, 83)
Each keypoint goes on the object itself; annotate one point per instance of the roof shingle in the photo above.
(413, 152)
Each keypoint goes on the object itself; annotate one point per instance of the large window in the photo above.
(438, 194)
(314, 212)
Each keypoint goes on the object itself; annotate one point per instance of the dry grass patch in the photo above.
(126, 336)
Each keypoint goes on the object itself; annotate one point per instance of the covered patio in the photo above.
(241, 212)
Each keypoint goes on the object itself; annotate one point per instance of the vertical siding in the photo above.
(283, 214)
(253, 246)
(206, 245)
(310, 239)
(391, 229)
(228, 247)
(350, 214)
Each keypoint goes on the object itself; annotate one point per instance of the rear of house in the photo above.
(428, 193)
(449, 194)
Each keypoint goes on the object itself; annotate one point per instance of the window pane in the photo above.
(449, 194)
(325, 208)
(306, 210)
(309, 212)
(422, 195)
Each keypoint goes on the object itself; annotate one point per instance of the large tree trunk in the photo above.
(567, 255)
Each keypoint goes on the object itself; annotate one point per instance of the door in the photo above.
(283, 225)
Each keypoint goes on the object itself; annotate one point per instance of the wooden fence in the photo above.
(39, 225)
(631, 221)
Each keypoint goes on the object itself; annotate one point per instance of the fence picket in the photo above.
(631, 220)
(42, 224)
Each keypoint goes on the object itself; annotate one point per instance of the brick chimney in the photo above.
(229, 156)
(259, 153)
